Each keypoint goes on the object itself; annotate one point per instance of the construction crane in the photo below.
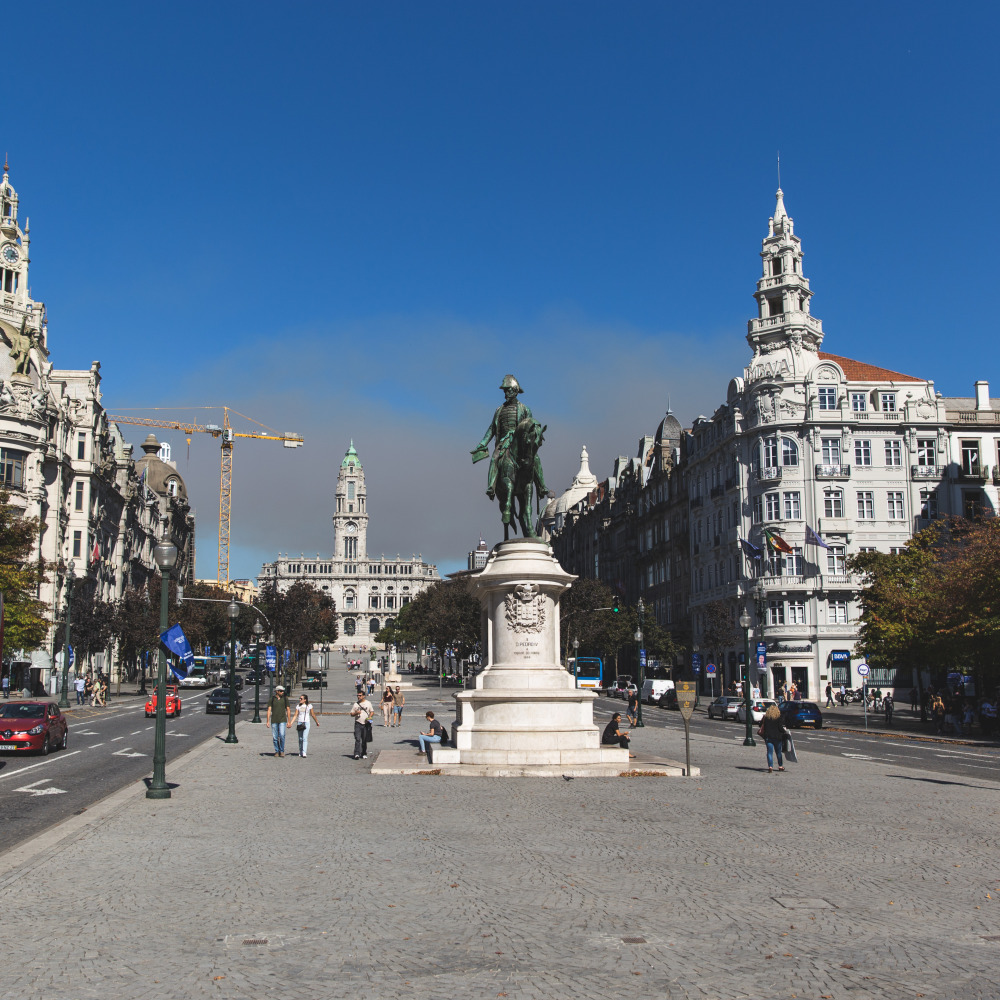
(288, 439)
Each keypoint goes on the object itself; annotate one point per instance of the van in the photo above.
(654, 689)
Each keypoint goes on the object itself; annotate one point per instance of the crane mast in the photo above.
(227, 434)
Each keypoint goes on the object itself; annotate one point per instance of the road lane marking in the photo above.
(91, 747)
(968, 753)
(128, 752)
(89, 732)
(136, 733)
(51, 760)
(33, 788)
(117, 738)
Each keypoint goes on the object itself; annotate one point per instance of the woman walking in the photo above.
(774, 732)
(304, 716)
(386, 705)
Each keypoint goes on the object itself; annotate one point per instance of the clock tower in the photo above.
(350, 522)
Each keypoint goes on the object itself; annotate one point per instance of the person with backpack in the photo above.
(436, 734)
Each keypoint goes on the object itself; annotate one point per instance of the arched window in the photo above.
(789, 452)
(350, 626)
(373, 626)
(172, 487)
(389, 621)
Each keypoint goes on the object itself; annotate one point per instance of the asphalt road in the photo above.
(939, 757)
(108, 748)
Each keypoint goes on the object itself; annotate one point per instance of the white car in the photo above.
(654, 690)
(757, 709)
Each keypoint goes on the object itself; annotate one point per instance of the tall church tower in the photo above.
(19, 309)
(784, 327)
(350, 522)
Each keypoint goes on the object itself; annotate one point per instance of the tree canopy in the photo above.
(936, 603)
(25, 625)
(445, 615)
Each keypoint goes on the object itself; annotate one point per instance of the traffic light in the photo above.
(615, 608)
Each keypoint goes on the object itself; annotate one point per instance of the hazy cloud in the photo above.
(414, 411)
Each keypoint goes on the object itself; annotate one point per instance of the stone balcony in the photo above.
(772, 475)
(926, 472)
(833, 471)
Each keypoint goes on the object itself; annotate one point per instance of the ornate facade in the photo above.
(367, 592)
(63, 462)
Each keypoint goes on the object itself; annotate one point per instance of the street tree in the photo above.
(25, 625)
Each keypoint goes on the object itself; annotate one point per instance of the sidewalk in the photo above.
(316, 879)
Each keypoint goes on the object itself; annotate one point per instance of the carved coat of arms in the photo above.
(525, 609)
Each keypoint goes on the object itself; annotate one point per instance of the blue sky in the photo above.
(351, 220)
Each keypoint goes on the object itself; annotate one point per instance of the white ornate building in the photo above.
(367, 592)
(64, 463)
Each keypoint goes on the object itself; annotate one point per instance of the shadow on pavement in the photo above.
(933, 781)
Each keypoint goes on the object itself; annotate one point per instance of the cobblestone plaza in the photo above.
(850, 879)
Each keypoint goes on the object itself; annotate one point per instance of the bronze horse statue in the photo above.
(518, 475)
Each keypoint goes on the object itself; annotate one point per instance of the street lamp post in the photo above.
(639, 724)
(233, 610)
(165, 555)
(70, 580)
(258, 631)
(749, 741)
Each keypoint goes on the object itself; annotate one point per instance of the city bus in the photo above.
(205, 673)
(589, 672)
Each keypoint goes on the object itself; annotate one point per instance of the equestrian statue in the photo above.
(515, 469)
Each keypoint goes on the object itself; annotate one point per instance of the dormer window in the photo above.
(171, 487)
(889, 402)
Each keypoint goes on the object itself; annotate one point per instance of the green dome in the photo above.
(351, 458)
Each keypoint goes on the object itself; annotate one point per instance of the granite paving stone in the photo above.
(425, 886)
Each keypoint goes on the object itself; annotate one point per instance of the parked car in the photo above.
(173, 702)
(617, 690)
(218, 701)
(654, 688)
(32, 726)
(801, 713)
(757, 709)
(668, 699)
(719, 709)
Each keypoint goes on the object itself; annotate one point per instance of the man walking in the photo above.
(829, 695)
(79, 685)
(362, 712)
(279, 715)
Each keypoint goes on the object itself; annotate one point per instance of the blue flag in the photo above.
(750, 549)
(813, 538)
(176, 643)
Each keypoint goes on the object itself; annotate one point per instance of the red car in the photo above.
(37, 726)
(173, 703)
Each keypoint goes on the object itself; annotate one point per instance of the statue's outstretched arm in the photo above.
(482, 450)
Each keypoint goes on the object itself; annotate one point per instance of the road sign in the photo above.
(696, 660)
(686, 696)
(863, 670)
(697, 669)
(710, 670)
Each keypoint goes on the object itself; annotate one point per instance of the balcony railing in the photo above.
(717, 491)
(697, 501)
(768, 475)
(926, 471)
(833, 472)
(974, 473)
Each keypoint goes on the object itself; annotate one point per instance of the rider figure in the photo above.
(508, 415)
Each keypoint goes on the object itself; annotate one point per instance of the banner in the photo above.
(272, 659)
(176, 643)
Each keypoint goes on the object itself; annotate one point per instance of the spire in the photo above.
(779, 210)
(584, 477)
(6, 165)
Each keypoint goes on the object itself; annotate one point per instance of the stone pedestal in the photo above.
(526, 712)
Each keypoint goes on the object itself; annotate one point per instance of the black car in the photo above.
(795, 714)
(218, 701)
(668, 699)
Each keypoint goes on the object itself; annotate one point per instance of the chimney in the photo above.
(983, 395)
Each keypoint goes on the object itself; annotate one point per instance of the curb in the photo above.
(48, 842)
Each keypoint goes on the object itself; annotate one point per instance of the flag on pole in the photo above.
(176, 643)
(777, 542)
(751, 550)
(95, 556)
(813, 538)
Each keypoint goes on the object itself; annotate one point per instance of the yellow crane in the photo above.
(226, 432)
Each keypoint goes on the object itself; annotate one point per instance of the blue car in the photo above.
(796, 714)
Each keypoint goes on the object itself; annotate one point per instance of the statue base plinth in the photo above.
(525, 711)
